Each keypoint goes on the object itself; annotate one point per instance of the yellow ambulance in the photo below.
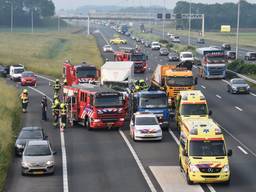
(189, 104)
(203, 155)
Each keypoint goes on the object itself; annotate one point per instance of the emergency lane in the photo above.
(17, 183)
(231, 142)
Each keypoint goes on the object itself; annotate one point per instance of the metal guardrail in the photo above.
(243, 77)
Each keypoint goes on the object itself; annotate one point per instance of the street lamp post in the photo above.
(189, 24)
(11, 16)
(32, 21)
(164, 13)
(237, 28)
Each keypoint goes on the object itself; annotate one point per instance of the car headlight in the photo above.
(159, 131)
(234, 88)
(25, 164)
(19, 146)
(194, 168)
(49, 163)
(248, 87)
(225, 169)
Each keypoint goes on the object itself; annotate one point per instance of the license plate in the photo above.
(147, 135)
(38, 172)
(109, 124)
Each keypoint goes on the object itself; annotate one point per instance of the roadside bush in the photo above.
(240, 66)
(163, 41)
(9, 125)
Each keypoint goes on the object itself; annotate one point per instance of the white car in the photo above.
(186, 56)
(107, 48)
(16, 71)
(155, 45)
(176, 39)
(145, 126)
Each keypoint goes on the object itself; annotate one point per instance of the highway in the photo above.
(108, 160)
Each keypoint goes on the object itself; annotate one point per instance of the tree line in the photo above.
(22, 11)
(218, 14)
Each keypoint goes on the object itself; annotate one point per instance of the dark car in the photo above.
(250, 56)
(137, 39)
(3, 71)
(147, 44)
(142, 41)
(163, 52)
(238, 85)
(226, 47)
(173, 56)
(200, 41)
(27, 134)
(231, 55)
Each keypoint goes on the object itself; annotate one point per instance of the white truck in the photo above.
(117, 75)
(16, 71)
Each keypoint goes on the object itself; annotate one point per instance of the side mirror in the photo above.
(196, 80)
(210, 113)
(184, 153)
(230, 152)
(54, 152)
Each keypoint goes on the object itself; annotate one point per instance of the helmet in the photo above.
(137, 87)
(56, 102)
(65, 81)
(67, 61)
(142, 81)
(57, 80)
(55, 96)
(62, 105)
(25, 91)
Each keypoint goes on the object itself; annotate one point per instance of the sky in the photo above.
(73, 4)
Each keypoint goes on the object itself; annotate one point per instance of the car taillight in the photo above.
(121, 119)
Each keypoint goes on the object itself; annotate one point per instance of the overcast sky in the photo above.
(72, 4)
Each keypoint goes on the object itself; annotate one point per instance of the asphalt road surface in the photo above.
(108, 160)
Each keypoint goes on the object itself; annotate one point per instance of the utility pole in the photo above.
(164, 13)
(189, 24)
(88, 24)
(32, 20)
(12, 16)
(237, 28)
(58, 23)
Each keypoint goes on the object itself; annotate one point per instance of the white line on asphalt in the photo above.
(238, 108)
(63, 150)
(178, 142)
(241, 149)
(225, 81)
(218, 96)
(45, 78)
(104, 38)
(253, 94)
(135, 156)
(203, 87)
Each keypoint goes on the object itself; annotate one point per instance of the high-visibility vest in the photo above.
(24, 98)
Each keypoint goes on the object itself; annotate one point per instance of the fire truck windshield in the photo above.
(138, 57)
(108, 101)
(84, 72)
(179, 81)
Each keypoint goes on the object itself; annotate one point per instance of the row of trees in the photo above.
(219, 14)
(22, 10)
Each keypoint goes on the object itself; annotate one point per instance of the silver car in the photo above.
(238, 85)
(38, 158)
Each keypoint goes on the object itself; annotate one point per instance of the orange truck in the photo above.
(172, 80)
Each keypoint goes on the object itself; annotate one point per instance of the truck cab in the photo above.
(203, 155)
(155, 102)
(191, 104)
(16, 71)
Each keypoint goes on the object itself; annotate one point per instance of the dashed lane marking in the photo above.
(219, 96)
(252, 94)
(203, 87)
(135, 156)
(238, 108)
(243, 150)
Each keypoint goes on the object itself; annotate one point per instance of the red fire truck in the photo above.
(95, 106)
(81, 73)
(137, 56)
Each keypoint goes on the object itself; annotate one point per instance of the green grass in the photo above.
(147, 36)
(45, 52)
(9, 125)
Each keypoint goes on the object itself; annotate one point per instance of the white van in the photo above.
(16, 71)
(186, 56)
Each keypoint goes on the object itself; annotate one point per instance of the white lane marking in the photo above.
(218, 96)
(225, 81)
(210, 188)
(135, 156)
(203, 87)
(238, 108)
(178, 142)
(63, 151)
(45, 78)
(105, 39)
(252, 94)
(241, 149)
(238, 141)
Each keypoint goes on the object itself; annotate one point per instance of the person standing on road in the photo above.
(44, 108)
(55, 112)
(24, 100)
(63, 115)
(57, 86)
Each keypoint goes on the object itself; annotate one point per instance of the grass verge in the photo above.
(45, 52)
(9, 125)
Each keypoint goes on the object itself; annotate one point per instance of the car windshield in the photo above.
(187, 55)
(17, 71)
(146, 121)
(27, 74)
(177, 38)
(179, 81)
(138, 57)
(86, 72)
(207, 148)
(193, 109)
(108, 101)
(35, 134)
(153, 101)
(216, 59)
(107, 46)
(155, 44)
(164, 50)
(238, 81)
(253, 55)
(37, 150)
(173, 55)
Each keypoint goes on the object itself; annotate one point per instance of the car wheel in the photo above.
(133, 137)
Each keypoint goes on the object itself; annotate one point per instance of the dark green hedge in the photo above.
(240, 66)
